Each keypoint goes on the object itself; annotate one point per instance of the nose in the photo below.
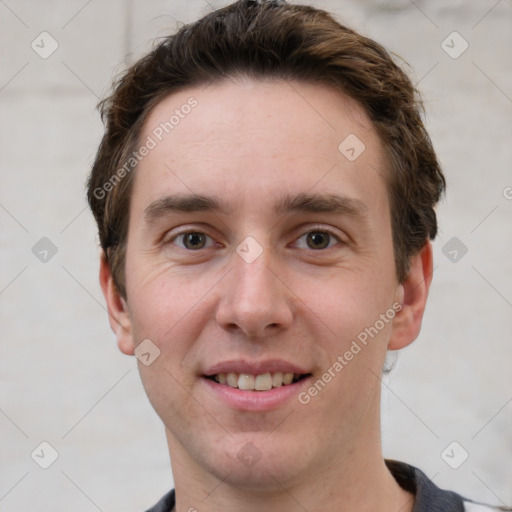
(254, 299)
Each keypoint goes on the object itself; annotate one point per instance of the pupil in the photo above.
(319, 240)
(193, 239)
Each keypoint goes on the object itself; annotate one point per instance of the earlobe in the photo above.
(118, 313)
(407, 322)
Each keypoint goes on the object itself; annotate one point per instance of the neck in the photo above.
(359, 480)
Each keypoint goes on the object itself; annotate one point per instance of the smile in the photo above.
(261, 382)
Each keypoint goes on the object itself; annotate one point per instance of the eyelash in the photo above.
(314, 230)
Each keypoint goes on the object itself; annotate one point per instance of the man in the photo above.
(265, 194)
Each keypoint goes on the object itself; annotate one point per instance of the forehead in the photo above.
(249, 137)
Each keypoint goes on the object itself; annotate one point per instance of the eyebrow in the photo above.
(305, 202)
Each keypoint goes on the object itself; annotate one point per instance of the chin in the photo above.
(241, 462)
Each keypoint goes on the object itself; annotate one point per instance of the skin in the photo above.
(248, 142)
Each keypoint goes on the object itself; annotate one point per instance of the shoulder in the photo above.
(166, 504)
(429, 497)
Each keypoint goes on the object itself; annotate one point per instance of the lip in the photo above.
(255, 367)
(254, 401)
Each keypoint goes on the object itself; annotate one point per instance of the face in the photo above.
(257, 255)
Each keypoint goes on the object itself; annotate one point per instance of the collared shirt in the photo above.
(428, 497)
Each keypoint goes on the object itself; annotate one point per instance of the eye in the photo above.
(192, 240)
(318, 240)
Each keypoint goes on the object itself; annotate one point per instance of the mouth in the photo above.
(259, 383)
(255, 386)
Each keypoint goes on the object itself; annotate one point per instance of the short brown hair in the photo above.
(278, 40)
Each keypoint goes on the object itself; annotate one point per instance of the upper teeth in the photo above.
(262, 382)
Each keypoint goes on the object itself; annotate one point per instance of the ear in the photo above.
(414, 290)
(118, 314)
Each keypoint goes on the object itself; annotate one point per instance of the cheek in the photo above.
(172, 306)
(168, 311)
(346, 303)
(165, 309)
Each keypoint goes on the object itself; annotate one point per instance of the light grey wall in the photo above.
(62, 379)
